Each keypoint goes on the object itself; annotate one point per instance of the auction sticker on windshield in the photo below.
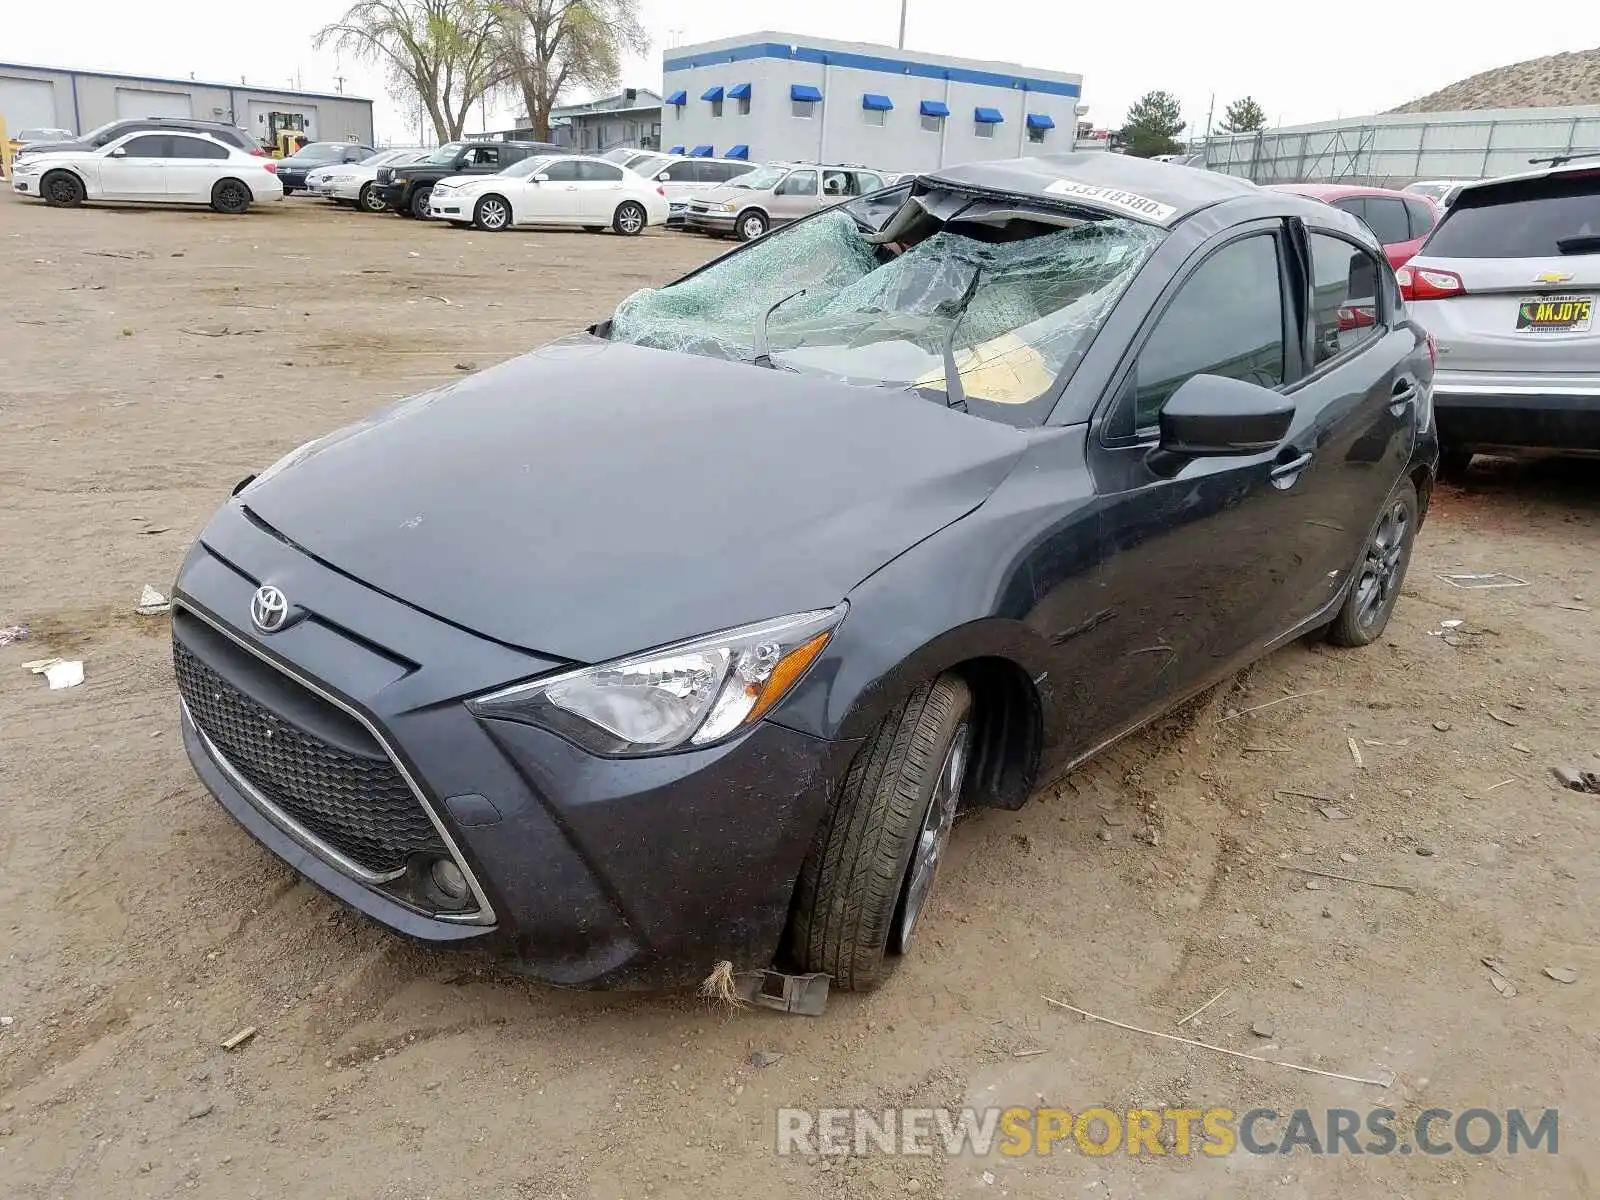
(1129, 202)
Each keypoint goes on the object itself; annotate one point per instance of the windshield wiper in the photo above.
(955, 395)
(763, 357)
(1586, 243)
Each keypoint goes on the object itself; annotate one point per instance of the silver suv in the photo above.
(768, 196)
(1508, 283)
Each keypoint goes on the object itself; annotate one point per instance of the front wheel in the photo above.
(62, 189)
(1379, 573)
(630, 219)
(492, 214)
(369, 200)
(419, 202)
(872, 866)
(230, 196)
(751, 225)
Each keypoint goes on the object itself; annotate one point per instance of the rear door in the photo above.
(137, 169)
(194, 167)
(1520, 267)
(599, 191)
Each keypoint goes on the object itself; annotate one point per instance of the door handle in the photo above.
(1286, 474)
(1402, 396)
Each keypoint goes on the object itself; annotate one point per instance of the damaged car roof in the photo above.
(1160, 194)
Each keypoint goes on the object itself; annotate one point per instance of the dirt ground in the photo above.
(148, 360)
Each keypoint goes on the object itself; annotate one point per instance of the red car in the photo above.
(1400, 221)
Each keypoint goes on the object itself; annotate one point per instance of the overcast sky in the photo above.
(1302, 62)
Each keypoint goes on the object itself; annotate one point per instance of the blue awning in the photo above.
(678, 97)
(739, 151)
(987, 116)
(876, 101)
(1041, 121)
(675, 150)
(935, 108)
(739, 91)
(700, 152)
(804, 91)
(711, 93)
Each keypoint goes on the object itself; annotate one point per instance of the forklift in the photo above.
(286, 134)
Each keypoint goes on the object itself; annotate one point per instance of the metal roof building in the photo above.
(630, 118)
(33, 97)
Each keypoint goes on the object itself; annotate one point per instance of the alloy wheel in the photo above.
(63, 190)
(933, 837)
(1380, 569)
(630, 219)
(492, 213)
(753, 227)
(371, 201)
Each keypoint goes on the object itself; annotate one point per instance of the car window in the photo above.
(1421, 214)
(868, 181)
(151, 145)
(1227, 319)
(682, 171)
(711, 172)
(1529, 218)
(839, 183)
(1344, 296)
(599, 172)
(798, 183)
(482, 156)
(1386, 217)
(561, 170)
(193, 147)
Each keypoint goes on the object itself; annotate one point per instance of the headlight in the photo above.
(725, 207)
(689, 694)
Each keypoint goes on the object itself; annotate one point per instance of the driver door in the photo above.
(1199, 565)
(555, 199)
(137, 169)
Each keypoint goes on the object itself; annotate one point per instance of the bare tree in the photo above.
(550, 46)
(442, 53)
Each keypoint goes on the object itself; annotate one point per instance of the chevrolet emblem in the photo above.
(1552, 277)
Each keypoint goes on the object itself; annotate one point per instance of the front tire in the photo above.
(62, 189)
(630, 219)
(872, 865)
(751, 225)
(492, 214)
(1380, 572)
(230, 196)
(419, 202)
(369, 201)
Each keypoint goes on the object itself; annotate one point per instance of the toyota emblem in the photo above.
(269, 609)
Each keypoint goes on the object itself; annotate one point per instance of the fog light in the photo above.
(447, 877)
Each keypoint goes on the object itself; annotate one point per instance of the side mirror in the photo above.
(1210, 416)
(541, 177)
(662, 178)
(119, 152)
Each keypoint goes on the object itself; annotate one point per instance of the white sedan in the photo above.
(353, 184)
(563, 189)
(169, 167)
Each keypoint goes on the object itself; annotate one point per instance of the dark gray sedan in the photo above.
(685, 640)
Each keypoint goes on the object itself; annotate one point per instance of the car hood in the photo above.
(717, 195)
(31, 149)
(592, 499)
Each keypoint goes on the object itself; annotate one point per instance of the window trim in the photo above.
(1313, 370)
(1118, 393)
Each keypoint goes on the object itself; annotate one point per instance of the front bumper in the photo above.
(393, 193)
(709, 222)
(593, 872)
(1488, 411)
(451, 206)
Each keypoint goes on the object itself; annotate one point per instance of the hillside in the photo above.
(1557, 79)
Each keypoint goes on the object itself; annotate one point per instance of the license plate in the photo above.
(1555, 314)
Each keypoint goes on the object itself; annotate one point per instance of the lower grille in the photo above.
(358, 803)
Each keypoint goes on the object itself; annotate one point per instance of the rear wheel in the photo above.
(630, 219)
(369, 200)
(230, 196)
(872, 866)
(62, 189)
(1379, 573)
(751, 225)
(419, 202)
(492, 214)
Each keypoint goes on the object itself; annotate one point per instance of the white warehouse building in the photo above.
(775, 96)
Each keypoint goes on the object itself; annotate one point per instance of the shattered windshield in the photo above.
(1021, 295)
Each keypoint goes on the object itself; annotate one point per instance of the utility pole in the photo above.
(1209, 111)
(338, 83)
(902, 42)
